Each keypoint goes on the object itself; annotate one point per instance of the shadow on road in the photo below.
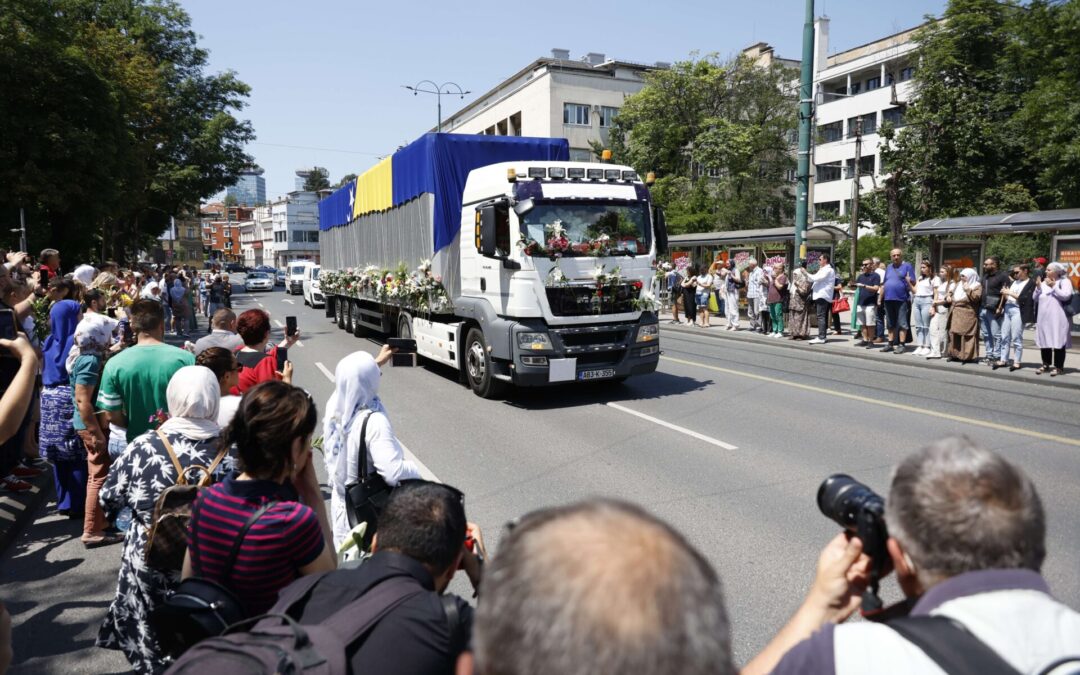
(44, 635)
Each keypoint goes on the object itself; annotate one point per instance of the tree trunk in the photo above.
(896, 221)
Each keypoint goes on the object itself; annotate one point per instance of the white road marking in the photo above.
(425, 472)
(668, 425)
(291, 302)
(327, 373)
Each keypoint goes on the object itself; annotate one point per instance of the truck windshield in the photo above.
(581, 229)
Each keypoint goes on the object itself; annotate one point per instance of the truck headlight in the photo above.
(534, 341)
(648, 333)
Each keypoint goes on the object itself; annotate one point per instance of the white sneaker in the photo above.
(816, 341)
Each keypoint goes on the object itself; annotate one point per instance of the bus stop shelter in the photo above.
(767, 246)
(961, 242)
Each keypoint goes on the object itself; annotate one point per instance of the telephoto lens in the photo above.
(842, 498)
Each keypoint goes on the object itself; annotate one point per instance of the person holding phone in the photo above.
(18, 372)
(356, 398)
(259, 364)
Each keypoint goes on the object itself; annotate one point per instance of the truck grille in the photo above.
(583, 300)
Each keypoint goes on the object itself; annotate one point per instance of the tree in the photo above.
(317, 179)
(719, 136)
(230, 200)
(109, 123)
(347, 178)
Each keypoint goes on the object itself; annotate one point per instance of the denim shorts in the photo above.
(703, 300)
(117, 444)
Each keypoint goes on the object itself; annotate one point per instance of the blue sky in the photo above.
(327, 76)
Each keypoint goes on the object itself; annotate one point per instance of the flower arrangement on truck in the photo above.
(501, 258)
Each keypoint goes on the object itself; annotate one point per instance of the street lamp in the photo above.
(438, 90)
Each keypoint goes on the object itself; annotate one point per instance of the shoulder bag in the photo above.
(201, 608)
(168, 538)
(366, 497)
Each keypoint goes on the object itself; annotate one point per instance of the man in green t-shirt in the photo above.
(134, 381)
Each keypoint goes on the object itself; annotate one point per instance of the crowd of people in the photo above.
(947, 313)
(599, 586)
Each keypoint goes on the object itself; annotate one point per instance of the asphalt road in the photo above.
(728, 441)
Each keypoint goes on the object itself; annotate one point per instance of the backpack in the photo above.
(167, 542)
(278, 644)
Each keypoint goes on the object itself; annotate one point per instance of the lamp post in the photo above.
(438, 90)
(806, 83)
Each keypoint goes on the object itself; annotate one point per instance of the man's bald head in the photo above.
(600, 587)
(224, 319)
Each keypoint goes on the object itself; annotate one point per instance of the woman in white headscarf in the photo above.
(964, 318)
(355, 399)
(189, 439)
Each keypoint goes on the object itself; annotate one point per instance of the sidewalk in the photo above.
(844, 345)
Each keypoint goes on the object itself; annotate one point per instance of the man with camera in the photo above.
(964, 530)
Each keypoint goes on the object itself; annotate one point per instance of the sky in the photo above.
(328, 76)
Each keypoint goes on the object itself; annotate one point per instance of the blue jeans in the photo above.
(1012, 330)
(990, 323)
(923, 306)
(117, 444)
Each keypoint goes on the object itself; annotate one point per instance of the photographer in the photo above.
(966, 537)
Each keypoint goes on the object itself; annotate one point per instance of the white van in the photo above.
(312, 293)
(294, 280)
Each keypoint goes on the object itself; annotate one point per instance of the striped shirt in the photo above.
(284, 539)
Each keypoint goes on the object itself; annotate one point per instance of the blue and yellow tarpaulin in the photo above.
(436, 164)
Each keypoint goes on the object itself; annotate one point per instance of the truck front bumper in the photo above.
(598, 352)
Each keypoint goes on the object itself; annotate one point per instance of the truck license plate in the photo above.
(596, 374)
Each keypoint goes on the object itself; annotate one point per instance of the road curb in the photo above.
(845, 350)
(17, 509)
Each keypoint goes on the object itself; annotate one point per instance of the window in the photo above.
(873, 83)
(313, 236)
(855, 88)
(907, 73)
(281, 237)
(866, 166)
(826, 211)
(894, 116)
(869, 125)
(790, 175)
(191, 233)
(607, 116)
(228, 233)
(581, 155)
(299, 236)
(827, 172)
(576, 114)
(827, 133)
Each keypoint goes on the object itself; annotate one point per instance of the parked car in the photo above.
(312, 293)
(279, 277)
(235, 268)
(258, 281)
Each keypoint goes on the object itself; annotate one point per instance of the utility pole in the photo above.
(853, 231)
(22, 230)
(806, 86)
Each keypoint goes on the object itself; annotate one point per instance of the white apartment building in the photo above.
(871, 82)
(294, 229)
(555, 97)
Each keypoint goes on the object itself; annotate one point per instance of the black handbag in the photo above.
(366, 497)
(201, 608)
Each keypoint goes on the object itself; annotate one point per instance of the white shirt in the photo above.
(925, 287)
(227, 410)
(385, 455)
(753, 283)
(704, 282)
(824, 280)
(1015, 287)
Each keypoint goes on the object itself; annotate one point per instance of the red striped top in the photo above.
(284, 539)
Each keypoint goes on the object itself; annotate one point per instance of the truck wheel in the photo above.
(358, 329)
(478, 366)
(404, 326)
(339, 312)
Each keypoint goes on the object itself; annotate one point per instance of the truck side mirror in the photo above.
(487, 231)
(661, 231)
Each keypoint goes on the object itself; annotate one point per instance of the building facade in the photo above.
(556, 97)
(857, 89)
(180, 244)
(249, 189)
(294, 228)
(221, 231)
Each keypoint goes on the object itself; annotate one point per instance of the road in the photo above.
(728, 441)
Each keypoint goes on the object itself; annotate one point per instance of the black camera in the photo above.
(861, 511)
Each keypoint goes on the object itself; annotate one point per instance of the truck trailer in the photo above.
(501, 258)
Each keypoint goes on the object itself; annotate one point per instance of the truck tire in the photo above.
(478, 366)
(339, 310)
(404, 325)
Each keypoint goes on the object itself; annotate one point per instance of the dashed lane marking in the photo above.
(884, 404)
(668, 425)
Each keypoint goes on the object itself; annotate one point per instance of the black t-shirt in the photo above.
(867, 296)
(992, 288)
(216, 292)
(413, 639)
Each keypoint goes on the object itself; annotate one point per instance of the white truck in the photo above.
(501, 258)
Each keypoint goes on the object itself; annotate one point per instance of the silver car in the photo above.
(258, 281)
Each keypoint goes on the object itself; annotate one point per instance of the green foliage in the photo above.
(347, 178)
(995, 123)
(1019, 248)
(109, 123)
(230, 200)
(734, 119)
(870, 246)
(318, 179)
